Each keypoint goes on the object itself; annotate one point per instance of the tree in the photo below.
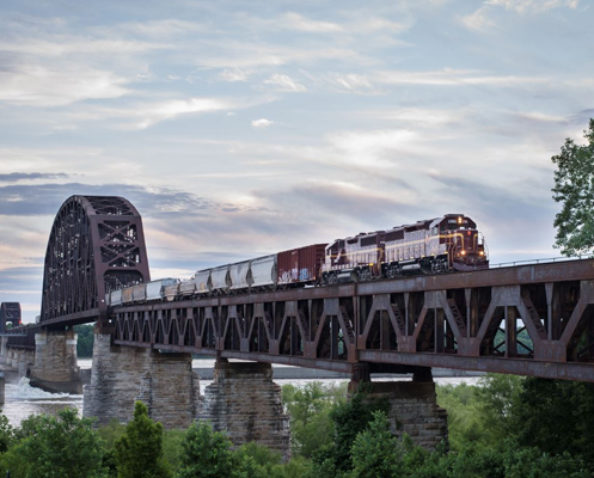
(139, 453)
(6, 434)
(556, 417)
(375, 451)
(206, 453)
(64, 446)
(84, 344)
(574, 189)
(309, 408)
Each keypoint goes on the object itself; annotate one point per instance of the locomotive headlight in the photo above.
(459, 219)
(463, 252)
(481, 253)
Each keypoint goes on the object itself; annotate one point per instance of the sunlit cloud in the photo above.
(36, 85)
(261, 123)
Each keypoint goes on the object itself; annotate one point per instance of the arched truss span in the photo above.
(96, 244)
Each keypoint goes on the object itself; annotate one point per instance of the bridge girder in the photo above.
(96, 244)
(531, 320)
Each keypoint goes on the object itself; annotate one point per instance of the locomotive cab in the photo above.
(464, 244)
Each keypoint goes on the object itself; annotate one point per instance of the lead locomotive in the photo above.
(446, 243)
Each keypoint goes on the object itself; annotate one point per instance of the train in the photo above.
(447, 243)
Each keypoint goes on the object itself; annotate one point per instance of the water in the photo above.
(22, 400)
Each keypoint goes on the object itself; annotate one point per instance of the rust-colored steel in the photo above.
(535, 319)
(96, 244)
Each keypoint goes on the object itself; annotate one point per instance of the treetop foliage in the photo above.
(139, 452)
(574, 189)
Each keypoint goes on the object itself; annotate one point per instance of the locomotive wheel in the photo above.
(392, 271)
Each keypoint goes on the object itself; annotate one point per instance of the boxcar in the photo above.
(300, 265)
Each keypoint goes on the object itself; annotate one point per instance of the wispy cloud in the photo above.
(37, 85)
(533, 6)
(284, 83)
(454, 77)
(482, 19)
(296, 21)
(16, 177)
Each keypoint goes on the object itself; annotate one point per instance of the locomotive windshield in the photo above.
(457, 223)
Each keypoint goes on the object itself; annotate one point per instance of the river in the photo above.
(23, 400)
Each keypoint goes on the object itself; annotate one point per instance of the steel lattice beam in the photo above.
(533, 320)
(96, 244)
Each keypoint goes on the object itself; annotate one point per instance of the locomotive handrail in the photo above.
(547, 260)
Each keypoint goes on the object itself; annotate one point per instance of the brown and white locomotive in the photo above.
(446, 243)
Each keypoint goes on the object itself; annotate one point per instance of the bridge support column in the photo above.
(120, 375)
(4, 349)
(245, 403)
(413, 409)
(55, 368)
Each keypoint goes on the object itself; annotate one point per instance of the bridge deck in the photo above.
(535, 319)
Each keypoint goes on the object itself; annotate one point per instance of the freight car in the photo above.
(447, 243)
(288, 268)
(154, 290)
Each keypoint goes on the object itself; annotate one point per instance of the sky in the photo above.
(241, 128)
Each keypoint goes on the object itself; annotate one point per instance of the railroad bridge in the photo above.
(535, 319)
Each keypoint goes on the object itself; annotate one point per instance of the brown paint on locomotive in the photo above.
(449, 242)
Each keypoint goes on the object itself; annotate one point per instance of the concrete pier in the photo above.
(413, 409)
(2, 384)
(55, 368)
(245, 403)
(122, 375)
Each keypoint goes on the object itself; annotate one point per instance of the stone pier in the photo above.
(121, 375)
(245, 403)
(55, 368)
(413, 409)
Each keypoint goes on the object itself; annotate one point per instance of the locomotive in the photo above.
(447, 243)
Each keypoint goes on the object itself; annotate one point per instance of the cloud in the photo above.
(37, 85)
(478, 20)
(352, 82)
(454, 77)
(296, 21)
(234, 75)
(142, 115)
(285, 83)
(350, 200)
(152, 114)
(46, 199)
(15, 177)
(261, 123)
(533, 6)
(482, 18)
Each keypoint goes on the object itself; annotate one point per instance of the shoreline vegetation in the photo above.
(504, 427)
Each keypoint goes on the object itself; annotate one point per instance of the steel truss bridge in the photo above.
(534, 319)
